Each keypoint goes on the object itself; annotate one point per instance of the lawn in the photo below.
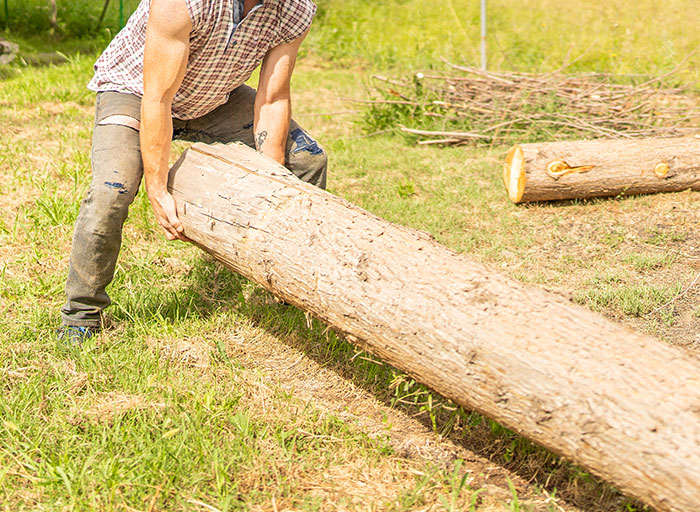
(206, 393)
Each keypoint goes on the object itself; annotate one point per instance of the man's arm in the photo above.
(273, 104)
(164, 65)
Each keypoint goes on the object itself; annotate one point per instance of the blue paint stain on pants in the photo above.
(119, 186)
(304, 143)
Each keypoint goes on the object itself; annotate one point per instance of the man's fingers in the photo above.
(166, 214)
(171, 212)
(168, 234)
(172, 233)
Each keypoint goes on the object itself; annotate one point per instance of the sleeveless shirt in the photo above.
(223, 52)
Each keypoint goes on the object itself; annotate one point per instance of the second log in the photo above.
(601, 168)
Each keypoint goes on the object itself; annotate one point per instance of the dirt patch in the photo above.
(604, 245)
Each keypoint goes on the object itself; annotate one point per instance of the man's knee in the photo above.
(116, 172)
(318, 177)
(306, 158)
(106, 206)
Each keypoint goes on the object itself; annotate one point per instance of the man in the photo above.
(177, 70)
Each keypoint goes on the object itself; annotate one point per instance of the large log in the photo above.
(600, 168)
(620, 403)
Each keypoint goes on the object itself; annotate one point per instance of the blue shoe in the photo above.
(74, 335)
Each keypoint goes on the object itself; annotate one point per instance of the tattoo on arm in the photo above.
(260, 139)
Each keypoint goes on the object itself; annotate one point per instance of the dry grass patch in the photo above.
(105, 408)
(591, 247)
(192, 352)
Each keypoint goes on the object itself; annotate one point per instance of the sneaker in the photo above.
(74, 335)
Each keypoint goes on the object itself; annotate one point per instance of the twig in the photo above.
(102, 16)
(457, 135)
(439, 141)
(571, 63)
(690, 286)
(674, 70)
(203, 505)
(497, 106)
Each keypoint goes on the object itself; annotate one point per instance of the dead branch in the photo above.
(494, 107)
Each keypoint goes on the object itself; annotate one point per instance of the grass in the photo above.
(531, 35)
(208, 393)
(650, 261)
(631, 300)
(77, 21)
(180, 436)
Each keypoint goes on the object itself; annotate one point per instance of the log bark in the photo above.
(617, 402)
(600, 168)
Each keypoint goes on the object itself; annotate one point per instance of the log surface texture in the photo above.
(617, 402)
(599, 168)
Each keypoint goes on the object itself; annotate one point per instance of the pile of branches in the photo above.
(482, 107)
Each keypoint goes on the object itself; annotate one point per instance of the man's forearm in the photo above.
(271, 128)
(165, 58)
(156, 135)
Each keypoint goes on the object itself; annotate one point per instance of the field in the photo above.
(206, 393)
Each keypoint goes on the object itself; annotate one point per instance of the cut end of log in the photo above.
(661, 169)
(514, 173)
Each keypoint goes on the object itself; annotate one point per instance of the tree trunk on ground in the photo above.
(599, 168)
(620, 403)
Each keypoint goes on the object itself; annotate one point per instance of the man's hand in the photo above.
(164, 65)
(164, 207)
(273, 100)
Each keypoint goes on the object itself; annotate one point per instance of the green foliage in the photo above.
(76, 19)
(514, 505)
(530, 35)
(457, 484)
(390, 32)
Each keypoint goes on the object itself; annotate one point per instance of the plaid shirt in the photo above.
(223, 52)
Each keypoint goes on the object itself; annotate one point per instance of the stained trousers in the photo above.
(117, 170)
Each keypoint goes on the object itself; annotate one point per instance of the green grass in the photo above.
(192, 436)
(77, 20)
(631, 300)
(136, 420)
(650, 261)
(531, 35)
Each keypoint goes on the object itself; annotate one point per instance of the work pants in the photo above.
(117, 170)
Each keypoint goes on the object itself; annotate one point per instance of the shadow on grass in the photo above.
(213, 288)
